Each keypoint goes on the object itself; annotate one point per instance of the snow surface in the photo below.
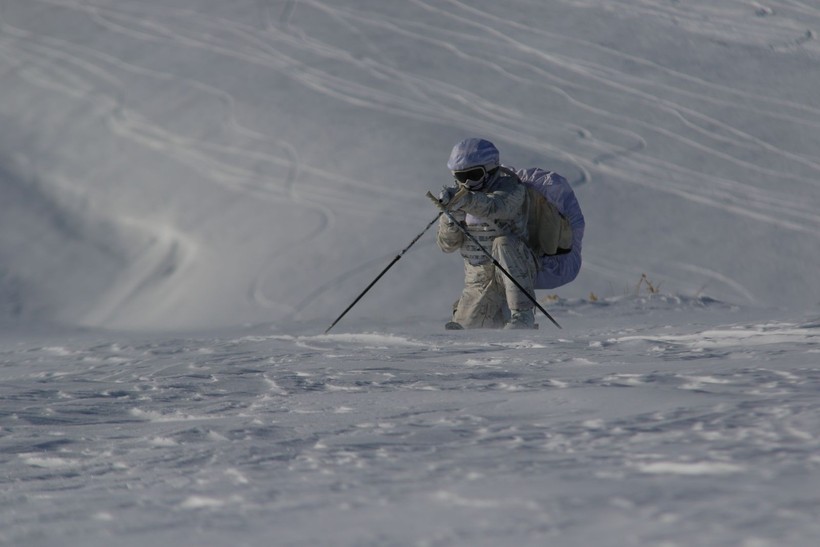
(619, 431)
(192, 190)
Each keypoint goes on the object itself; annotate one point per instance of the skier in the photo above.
(492, 204)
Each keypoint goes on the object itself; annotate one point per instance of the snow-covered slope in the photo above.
(241, 170)
(194, 163)
(619, 432)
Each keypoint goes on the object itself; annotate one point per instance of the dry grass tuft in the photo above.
(652, 288)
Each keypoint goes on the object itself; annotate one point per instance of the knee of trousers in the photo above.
(510, 250)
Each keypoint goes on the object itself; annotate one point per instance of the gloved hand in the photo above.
(447, 224)
(459, 215)
(446, 195)
(452, 198)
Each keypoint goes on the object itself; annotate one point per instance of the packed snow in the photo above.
(191, 191)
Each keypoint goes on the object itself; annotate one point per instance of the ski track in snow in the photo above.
(613, 434)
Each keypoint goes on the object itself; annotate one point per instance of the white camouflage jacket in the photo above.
(499, 209)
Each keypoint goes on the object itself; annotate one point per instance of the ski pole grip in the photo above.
(435, 200)
(459, 193)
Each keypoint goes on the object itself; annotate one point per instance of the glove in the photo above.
(447, 225)
(446, 195)
(448, 198)
(458, 216)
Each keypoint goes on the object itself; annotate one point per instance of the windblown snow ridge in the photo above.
(60, 260)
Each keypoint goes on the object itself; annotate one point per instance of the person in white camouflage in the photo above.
(492, 205)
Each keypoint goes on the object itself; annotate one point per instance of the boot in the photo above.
(521, 319)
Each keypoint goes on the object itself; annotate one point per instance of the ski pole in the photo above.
(491, 257)
(384, 271)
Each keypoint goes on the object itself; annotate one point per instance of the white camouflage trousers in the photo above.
(488, 294)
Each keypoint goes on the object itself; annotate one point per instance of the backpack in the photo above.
(549, 231)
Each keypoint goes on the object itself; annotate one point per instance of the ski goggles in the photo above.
(472, 178)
